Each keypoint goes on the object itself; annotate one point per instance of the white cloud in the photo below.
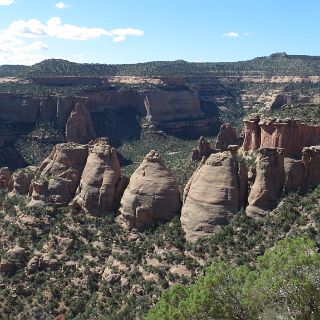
(20, 42)
(6, 2)
(61, 5)
(55, 28)
(231, 34)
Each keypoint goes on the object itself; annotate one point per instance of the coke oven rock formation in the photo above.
(79, 127)
(100, 188)
(213, 194)
(152, 195)
(291, 135)
(269, 182)
(58, 176)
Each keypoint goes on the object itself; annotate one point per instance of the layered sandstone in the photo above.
(152, 195)
(289, 134)
(269, 182)
(99, 188)
(79, 127)
(58, 176)
(213, 195)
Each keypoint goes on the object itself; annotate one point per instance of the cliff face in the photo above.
(291, 135)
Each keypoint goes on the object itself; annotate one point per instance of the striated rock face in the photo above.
(251, 134)
(295, 174)
(152, 195)
(291, 135)
(21, 180)
(98, 189)
(203, 150)
(269, 182)
(58, 176)
(226, 137)
(212, 195)
(5, 176)
(79, 127)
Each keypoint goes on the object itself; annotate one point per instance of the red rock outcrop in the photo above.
(311, 163)
(5, 176)
(58, 176)
(100, 180)
(203, 150)
(291, 135)
(226, 137)
(213, 195)
(251, 134)
(152, 195)
(269, 182)
(21, 180)
(79, 127)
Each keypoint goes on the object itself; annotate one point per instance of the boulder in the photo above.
(58, 176)
(98, 191)
(227, 136)
(212, 196)
(152, 195)
(269, 182)
(5, 176)
(79, 127)
(21, 180)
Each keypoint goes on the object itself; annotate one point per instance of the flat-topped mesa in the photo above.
(58, 176)
(213, 195)
(269, 182)
(203, 149)
(79, 127)
(289, 134)
(227, 136)
(99, 186)
(152, 195)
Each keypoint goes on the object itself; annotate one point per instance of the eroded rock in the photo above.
(152, 195)
(227, 136)
(21, 180)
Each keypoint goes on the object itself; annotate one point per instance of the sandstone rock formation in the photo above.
(227, 136)
(5, 176)
(21, 180)
(311, 162)
(152, 195)
(203, 150)
(99, 188)
(79, 127)
(212, 195)
(58, 176)
(269, 182)
(289, 134)
(251, 134)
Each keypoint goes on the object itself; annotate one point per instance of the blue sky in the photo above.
(129, 31)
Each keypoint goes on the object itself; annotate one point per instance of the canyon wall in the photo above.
(291, 135)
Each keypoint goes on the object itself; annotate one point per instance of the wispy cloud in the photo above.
(231, 34)
(6, 2)
(247, 34)
(61, 5)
